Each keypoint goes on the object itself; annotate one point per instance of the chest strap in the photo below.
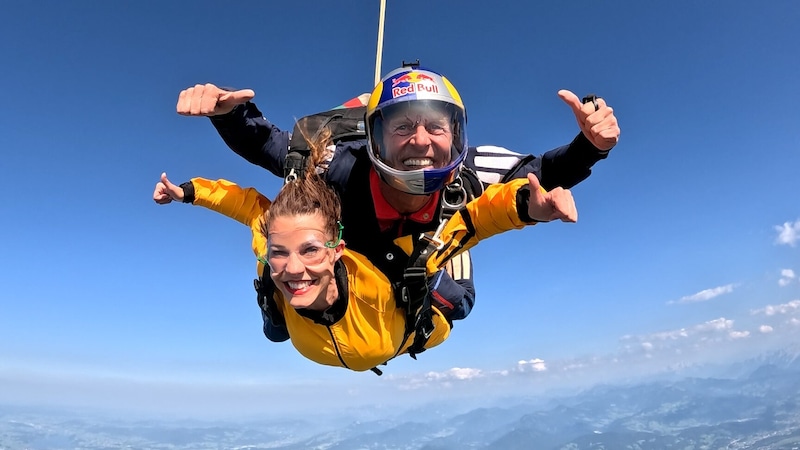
(414, 295)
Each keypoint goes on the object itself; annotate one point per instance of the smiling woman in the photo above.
(301, 259)
(337, 307)
(304, 240)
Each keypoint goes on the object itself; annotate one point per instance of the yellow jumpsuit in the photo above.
(372, 329)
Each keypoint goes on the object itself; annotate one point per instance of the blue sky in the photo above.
(686, 248)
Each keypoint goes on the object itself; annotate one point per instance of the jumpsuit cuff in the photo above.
(523, 198)
(188, 192)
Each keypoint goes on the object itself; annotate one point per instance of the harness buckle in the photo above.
(414, 282)
(454, 196)
(294, 166)
(424, 325)
(434, 238)
(291, 176)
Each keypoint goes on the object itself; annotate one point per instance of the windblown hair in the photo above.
(310, 194)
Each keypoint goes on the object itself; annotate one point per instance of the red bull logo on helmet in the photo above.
(411, 82)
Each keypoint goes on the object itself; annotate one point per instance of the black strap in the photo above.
(449, 249)
(414, 293)
(345, 124)
(296, 161)
(295, 165)
(265, 291)
(415, 296)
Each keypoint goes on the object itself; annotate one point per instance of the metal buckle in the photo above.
(455, 188)
(425, 328)
(435, 237)
(291, 176)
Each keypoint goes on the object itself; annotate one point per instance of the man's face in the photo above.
(417, 138)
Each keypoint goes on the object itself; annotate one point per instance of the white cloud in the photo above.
(576, 365)
(535, 365)
(785, 308)
(697, 336)
(705, 295)
(715, 325)
(456, 373)
(683, 349)
(787, 275)
(788, 234)
(465, 374)
(676, 349)
(739, 334)
(669, 335)
(450, 378)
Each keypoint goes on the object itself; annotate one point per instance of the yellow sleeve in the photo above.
(245, 205)
(494, 212)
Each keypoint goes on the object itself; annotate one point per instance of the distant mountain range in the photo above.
(759, 408)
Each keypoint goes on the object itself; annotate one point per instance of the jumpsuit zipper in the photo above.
(336, 347)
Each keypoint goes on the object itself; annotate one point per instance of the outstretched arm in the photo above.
(595, 118)
(239, 122)
(569, 165)
(563, 166)
(245, 205)
(502, 207)
(209, 100)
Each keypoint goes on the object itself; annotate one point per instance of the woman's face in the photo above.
(301, 265)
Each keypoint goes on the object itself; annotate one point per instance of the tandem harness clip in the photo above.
(415, 295)
(295, 165)
(434, 239)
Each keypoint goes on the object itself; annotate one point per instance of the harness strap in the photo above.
(345, 124)
(415, 295)
(451, 249)
(295, 163)
(266, 301)
(295, 166)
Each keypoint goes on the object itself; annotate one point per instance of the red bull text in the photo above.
(411, 82)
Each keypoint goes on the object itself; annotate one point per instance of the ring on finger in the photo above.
(591, 98)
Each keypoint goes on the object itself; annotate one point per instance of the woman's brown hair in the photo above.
(309, 194)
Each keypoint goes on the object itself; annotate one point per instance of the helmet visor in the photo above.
(420, 134)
